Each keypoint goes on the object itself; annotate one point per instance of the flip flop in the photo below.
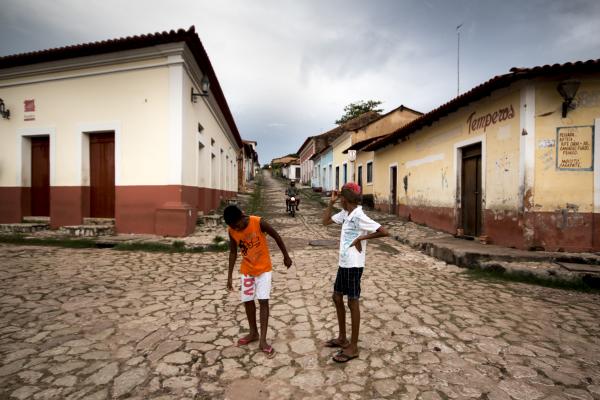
(333, 343)
(268, 351)
(244, 341)
(341, 357)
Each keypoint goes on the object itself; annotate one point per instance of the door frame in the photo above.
(82, 155)
(23, 178)
(390, 166)
(457, 167)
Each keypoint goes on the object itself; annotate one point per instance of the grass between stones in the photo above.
(256, 201)
(177, 246)
(580, 284)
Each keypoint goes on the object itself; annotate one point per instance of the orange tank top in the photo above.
(253, 245)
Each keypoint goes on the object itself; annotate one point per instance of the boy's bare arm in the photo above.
(232, 259)
(380, 232)
(327, 213)
(268, 229)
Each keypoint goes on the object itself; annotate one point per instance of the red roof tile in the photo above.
(481, 91)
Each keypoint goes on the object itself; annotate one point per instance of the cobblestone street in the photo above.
(101, 324)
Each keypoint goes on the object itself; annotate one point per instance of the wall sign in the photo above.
(575, 148)
(475, 123)
(29, 109)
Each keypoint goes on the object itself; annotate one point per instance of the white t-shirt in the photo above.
(354, 225)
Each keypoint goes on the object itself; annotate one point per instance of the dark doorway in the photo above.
(337, 178)
(360, 176)
(40, 176)
(393, 189)
(102, 175)
(471, 190)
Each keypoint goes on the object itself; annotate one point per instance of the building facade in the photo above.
(363, 135)
(513, 160)
(248, 164)
(124, 129)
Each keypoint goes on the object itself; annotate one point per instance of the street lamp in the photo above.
(204, 86)
(567, 90)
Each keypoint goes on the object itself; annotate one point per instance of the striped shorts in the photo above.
(347, 282)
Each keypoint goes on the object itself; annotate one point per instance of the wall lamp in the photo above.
(204, 86)
(567, 90)
(3, 111)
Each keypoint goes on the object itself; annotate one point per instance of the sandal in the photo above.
(244, 341)
(342, 357)
(335, 343)
(268, 351)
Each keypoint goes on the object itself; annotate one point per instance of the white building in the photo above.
(126, 129)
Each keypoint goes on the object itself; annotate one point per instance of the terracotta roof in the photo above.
(283, 160)
(354, 124)
(129, 43)
(361, 144)
(483, 90)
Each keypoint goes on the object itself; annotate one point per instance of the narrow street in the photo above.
(100, 324)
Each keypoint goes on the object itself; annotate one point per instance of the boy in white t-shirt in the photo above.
(356, 228)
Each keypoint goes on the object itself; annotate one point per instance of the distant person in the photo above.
(356, 228)
(292, 191)
(248, 233)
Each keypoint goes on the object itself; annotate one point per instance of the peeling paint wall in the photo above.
(563, 195)
(428, 163)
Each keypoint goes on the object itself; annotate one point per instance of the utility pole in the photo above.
(458, 59)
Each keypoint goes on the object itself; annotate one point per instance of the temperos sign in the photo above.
(475, 123)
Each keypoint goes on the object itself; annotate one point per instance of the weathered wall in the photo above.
(339, 158)
(362, 158)
(563, 199)
(428, 161)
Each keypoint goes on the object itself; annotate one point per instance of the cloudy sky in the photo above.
(288, 67)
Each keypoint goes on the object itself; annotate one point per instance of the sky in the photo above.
(288, 67)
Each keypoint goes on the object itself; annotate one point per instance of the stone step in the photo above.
(23, 227)
(88, 230)
(99, 221)
(210, 220)
(36, 220)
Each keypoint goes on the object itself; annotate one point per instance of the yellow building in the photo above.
(343, 166)
(364, 135)
(134, 129)
(514, 160)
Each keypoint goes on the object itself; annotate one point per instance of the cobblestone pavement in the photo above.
(100, 324)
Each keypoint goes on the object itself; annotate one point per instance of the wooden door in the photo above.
(471, 190)
(40, 176)
(393, 189)
(102, 175)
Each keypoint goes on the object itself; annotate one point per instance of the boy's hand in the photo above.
(287, 261)
(356, 243)
(334, 197)
(229, 284)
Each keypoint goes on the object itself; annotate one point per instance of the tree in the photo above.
(357, 108)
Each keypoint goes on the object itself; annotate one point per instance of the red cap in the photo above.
(353, 187)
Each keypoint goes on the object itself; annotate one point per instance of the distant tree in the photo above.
(357, 108)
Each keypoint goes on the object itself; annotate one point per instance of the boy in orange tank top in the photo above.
(248, 233)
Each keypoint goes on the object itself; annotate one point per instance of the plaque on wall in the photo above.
(575, 148)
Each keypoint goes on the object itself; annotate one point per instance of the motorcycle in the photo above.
(291, 206)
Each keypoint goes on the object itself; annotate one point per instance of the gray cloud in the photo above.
(289, 67)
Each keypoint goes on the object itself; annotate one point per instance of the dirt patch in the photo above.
(324, 243)
(292, 243)
(245, 389)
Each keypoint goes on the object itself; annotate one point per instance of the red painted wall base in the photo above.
(165, 210)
